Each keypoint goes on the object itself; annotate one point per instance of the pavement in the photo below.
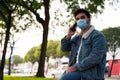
(113, 78)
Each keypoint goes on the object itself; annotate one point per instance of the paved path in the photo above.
(113, 78)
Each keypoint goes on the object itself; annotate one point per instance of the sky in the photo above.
(109, 18)
(31, 38)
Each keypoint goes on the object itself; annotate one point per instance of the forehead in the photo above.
(80, 15)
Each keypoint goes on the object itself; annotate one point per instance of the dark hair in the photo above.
(82, 11)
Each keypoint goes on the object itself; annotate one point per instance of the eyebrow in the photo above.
(82, 17)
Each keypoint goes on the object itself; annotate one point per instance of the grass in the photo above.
(25, 78)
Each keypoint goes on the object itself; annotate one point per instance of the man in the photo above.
(87, 50)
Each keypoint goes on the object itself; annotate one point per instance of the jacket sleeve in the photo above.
(65, 44)
(97, 54)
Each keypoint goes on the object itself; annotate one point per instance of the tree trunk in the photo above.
(45, 24)
(110, 72)
(4, 53)
(8, 25)
(11, 47)
(9, 68)
(40, 72)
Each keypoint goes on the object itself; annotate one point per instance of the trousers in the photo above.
(74, 76)
(71, 76)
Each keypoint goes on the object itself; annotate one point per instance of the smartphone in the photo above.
(73, 28)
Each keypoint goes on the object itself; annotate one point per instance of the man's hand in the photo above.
(70, 69)
(71, 32)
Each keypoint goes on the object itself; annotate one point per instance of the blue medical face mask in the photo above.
(82, 24)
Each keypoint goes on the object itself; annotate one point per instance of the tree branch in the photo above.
(39, 19)
(15, 6)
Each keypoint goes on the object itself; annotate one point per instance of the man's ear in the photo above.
(89, 20)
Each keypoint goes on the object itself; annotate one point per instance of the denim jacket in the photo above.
(92, 55)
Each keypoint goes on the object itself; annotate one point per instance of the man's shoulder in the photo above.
(97, 33)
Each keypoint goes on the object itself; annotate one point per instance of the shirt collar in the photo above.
(85, 35)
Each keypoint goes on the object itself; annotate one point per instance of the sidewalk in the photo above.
(113, 78)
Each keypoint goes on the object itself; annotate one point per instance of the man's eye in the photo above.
(77, 18)
(82, 17)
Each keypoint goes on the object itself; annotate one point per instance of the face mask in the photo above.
(82, 24)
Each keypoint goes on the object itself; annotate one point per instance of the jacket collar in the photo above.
(85, 35)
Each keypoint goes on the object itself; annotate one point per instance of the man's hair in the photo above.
(82, 11)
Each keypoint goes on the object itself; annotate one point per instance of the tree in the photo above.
(113, 39)
(51, 47)
(32, 55)
(6, 11)
(34, 6)
(16, 60)
(112, 35)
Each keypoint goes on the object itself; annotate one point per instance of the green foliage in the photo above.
(93, 6)
(51, 47)
(32, 55)
(36, 4)
(112, 35)
(60, 53)
(19, 14)
(17, 59)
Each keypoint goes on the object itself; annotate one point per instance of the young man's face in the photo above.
(82, 16)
